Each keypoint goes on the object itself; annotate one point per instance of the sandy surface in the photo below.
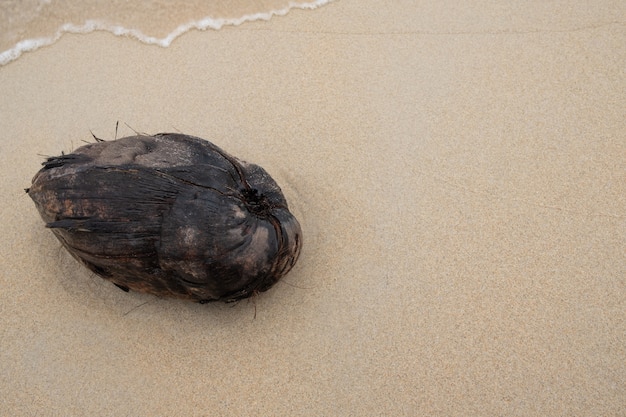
(460, 176)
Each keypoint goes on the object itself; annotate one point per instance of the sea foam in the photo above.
(92, 25)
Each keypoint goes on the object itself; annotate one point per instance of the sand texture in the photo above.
(459, 171)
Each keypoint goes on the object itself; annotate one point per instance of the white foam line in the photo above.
(30, 45)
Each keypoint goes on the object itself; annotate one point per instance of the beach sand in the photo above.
(459, 172)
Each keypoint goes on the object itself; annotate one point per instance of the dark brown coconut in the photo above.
(171, 215)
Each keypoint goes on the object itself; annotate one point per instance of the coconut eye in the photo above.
(256, 202)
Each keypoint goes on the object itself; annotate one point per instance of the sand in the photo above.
(459, 171)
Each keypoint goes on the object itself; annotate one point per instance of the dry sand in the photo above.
(460, 175)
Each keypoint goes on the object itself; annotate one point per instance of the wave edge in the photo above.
(92, 25)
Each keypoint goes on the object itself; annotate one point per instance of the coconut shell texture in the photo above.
(170, 215)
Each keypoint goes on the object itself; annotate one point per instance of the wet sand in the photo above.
(460, 177)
